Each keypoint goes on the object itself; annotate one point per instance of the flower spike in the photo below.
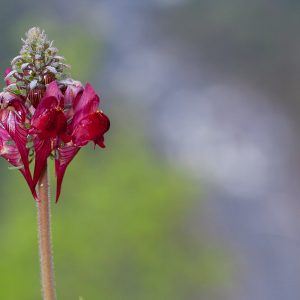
(44, 113)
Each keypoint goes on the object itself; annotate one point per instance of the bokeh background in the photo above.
(196, 195)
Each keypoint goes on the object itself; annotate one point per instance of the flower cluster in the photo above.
(45, 114)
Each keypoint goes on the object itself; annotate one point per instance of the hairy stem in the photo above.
(44, 231)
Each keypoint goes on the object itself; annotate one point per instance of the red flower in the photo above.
(49, 126)
(87, 124)
(57, 123)
(44, 113)
(91, 128)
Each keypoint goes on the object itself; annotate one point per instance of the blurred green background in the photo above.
(123, 228)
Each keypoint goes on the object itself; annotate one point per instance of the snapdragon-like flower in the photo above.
(44, 113)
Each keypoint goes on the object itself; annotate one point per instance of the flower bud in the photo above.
(37, 65)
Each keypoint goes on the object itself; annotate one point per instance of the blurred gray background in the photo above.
(204, 147)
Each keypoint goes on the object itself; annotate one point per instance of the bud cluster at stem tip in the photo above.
(36, 66)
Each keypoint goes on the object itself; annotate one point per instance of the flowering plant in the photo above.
(44, 113)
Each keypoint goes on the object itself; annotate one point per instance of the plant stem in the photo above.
(44, 231)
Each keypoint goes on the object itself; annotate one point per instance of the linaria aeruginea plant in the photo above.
(45, 113)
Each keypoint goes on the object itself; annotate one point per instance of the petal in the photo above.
(65, 137)
(20, 109)
(100, 142)
(91, 128)
(7, 81)
(72, 96)
(50, 124)
(14, 158)
(12, 154)
(105, 121)
(29, 181)
(88, 103)
(65, 156)
(12, 121)
(9, 152)
(54, 91)
(5, 98)
(46, 104)
(42, 151)
(71, 93)
(20, 138)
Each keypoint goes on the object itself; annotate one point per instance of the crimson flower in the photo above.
(46, 114)
(59, 126)
(87, 124)
(48, 126)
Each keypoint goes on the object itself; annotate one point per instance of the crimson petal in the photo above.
(91, 128)
(42, 150)
(12, 154)
(20, 138)
(7, 81)
(88, 103)
(46, 104)
(72, 97)
(6, 98)
(12, 121)
(65, 156)
(54, 91)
